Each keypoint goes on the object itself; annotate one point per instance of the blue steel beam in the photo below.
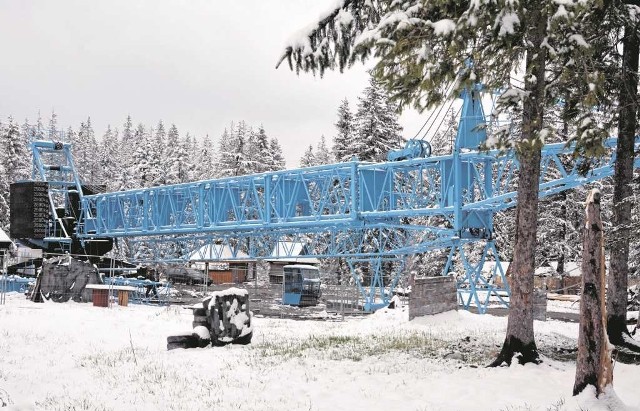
(466, 188)
(356, 210)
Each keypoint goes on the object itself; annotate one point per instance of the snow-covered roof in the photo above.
(291, 252)
(4, 238)
(217, 252)
(295, 260)
(302, 266)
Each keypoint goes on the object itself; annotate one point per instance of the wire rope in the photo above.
(449, 88)
(441, 120)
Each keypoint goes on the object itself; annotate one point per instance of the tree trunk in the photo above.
(593, 366)
(520, 337)
(563, 232)
(623, 196)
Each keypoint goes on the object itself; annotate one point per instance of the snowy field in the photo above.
(78, 357)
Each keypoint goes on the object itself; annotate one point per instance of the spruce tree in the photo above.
(422, 47)
(39, 132)
(252, 153)
(263, 151)
(27, 132)
(52, 132)
(172, 152)
(226, 165)
(139, 169)
(377, 128)
(322, 154)
(277, 158)
(204, 169)
(344, 139)
(108, 160)
(84, 150)
(243, 164)
(15, 154)
(623, 178)
(187, 172)
(308, 159)
(4, 199)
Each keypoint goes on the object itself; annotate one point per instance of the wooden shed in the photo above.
(287, 253)
(223, 264)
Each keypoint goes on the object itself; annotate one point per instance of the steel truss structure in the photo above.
(372, 214)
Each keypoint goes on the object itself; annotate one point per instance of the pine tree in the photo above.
(344, 139)
(263, 151)
(322, 154)
(277, 158)
(252, 153)
(188, 167)
(39, 131)
(623, 194)
(141, 173)
(15, 155)
(308, 159)
(27, 132)
(204, 169)
(110, 168)
(232, 154)
(173, 151)
(422, 47)
(377, 128)
(243, 161)
(85, 148)
(226, 165)
(53, 133)
(4, 199)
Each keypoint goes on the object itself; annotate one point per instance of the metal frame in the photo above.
(364, 212)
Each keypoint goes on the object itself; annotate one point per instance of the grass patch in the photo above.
(64, 403)
(358, 347)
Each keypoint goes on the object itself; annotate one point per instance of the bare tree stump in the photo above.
(593, 366)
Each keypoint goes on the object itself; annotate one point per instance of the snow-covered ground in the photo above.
(78, 357)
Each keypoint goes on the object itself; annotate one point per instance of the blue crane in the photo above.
(375, 215)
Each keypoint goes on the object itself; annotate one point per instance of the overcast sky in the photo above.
(199, 64)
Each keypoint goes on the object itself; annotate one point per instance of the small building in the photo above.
(220, 262)
(5, 241)
(287, 253)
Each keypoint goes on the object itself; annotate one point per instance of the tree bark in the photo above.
(593, 366)
(520, 337)
(623, 195)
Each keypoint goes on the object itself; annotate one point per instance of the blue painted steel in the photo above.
(146, 291)
(52, 162)
(412, 149)
(13, 283)
(368, 213)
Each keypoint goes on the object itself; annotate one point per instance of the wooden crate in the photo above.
(100, 297)
(123, 298)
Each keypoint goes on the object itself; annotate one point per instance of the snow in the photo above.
(203, 332)
(560, 13)
(4, 238)
(507, 23)
(344, 18)
(228, 292)
(378, 362)
(579, 40)
(300, 39)
(443, 27)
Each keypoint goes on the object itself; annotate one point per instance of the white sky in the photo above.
(197, 63)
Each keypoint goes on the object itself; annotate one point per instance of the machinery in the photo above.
(300, 285)
(375, 215)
